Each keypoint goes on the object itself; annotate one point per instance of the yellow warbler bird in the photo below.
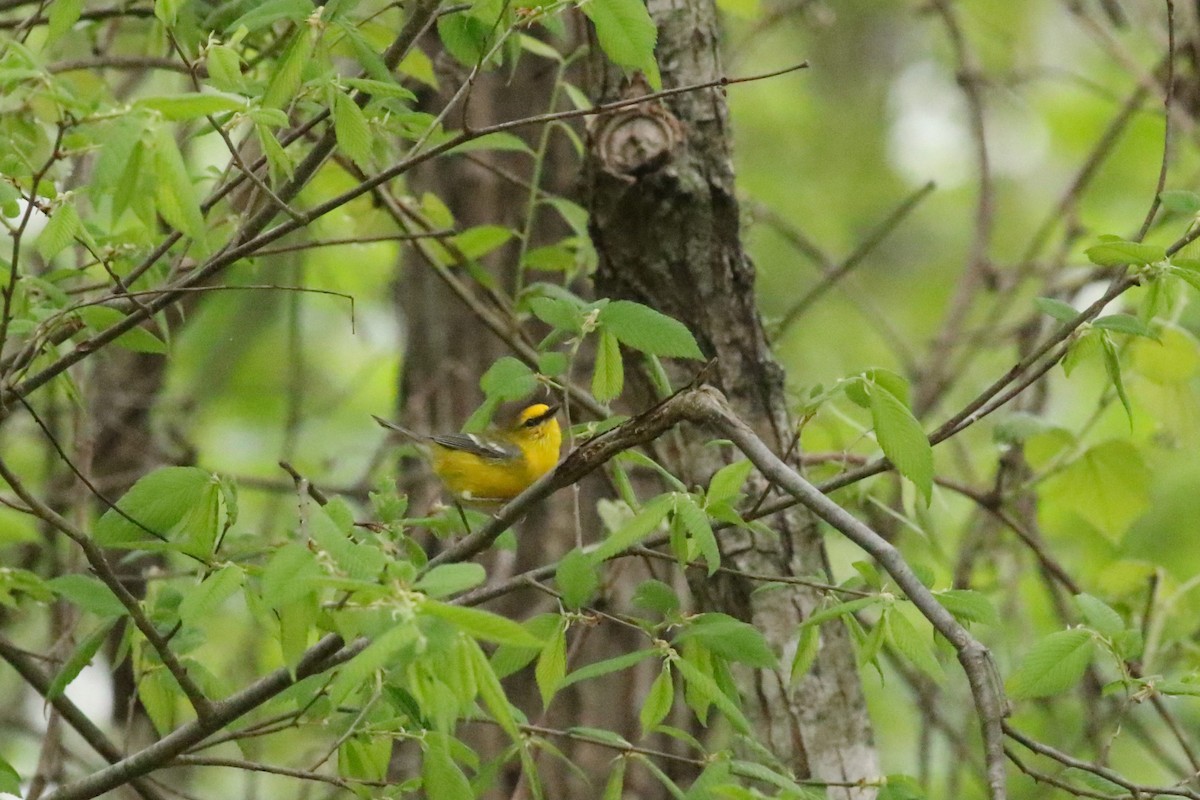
(493, 468)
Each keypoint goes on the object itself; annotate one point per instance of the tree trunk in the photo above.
(665, 223)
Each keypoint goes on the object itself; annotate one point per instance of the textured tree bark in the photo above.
(665, 222)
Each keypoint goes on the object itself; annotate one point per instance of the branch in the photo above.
(78, 720)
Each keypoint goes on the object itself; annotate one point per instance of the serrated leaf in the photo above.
(482, 624)
(577, 579)
(174, 193)
(60, 231)
(839, 610)
(658, 700)
(552, 665)
(808, 645)
(171, 503)
(1108, 485)
(1053, 665)
(137, 339)
(608, 373)
(614, 787)
(379, 88)
(225, 68)
(913, 645)
(285, 82)
(203, 600)
(291, 573)
(608, 665)
(88, 593)
(626, 34)
(508, 379)
(191, 105)
(447, 579)
(1120, 253)
(730, 638)
(1180, 202)
(557, 312)
(968, 605)
(726, 484)
(10, 781)
(1124, 323)
(442, 778)
(695, 521)
(62, 17)
(634, 530)
(352, 130)
(647, 330)
(480, 240)
(708, 689)
(80, 658)
(1099, 615)
(903, 440)
(654, 595)
(500, 141)
(1063, 312)
(1112, 365)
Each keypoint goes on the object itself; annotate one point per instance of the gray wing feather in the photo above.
(484, 448)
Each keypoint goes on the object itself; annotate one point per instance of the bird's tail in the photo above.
(405, 432)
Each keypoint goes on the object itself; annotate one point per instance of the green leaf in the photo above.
(626, 34)
(577, 579)
(225, 68)
(60, 231)
(647, 330)
(839, 610)
(654, 595)
(552, 665)
(608, 374)
(1124, 323)
(1119, 253)
(695, 521)
(80, 658)
(726, 484)
(614, 664)
(466, 37)
(88, 593)
(759, 772)
(707, 688)
(482, 624)
(10, 781)
(480, 240)
(1109, 486)
(730, 638)
(1063, 312)
(442, 778)
(901, 787)
(658, 700)
(285, 83)
(173, 190)
(968, 606)
(379, 88)
(501, 141)
(447, 579)
(1112, 365)
(1053, 665)
(903, 440)
(166, 11)
(352, 130)
(558, 312)
(912, 645)
(644, 523)
(508, 379)
(202, 601)
(191, 105)
(1099, 615)
(173, 503)
(614, 787)
(62, 17)
(1180, 202)
(291, 574)
(137, 339)
(808, 645)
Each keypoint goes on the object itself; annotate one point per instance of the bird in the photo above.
(489, 470)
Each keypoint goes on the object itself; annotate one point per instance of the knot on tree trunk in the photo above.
(636, 141)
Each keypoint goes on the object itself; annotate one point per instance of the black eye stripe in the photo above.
(540, 418)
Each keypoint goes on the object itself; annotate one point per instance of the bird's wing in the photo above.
(476, 445)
